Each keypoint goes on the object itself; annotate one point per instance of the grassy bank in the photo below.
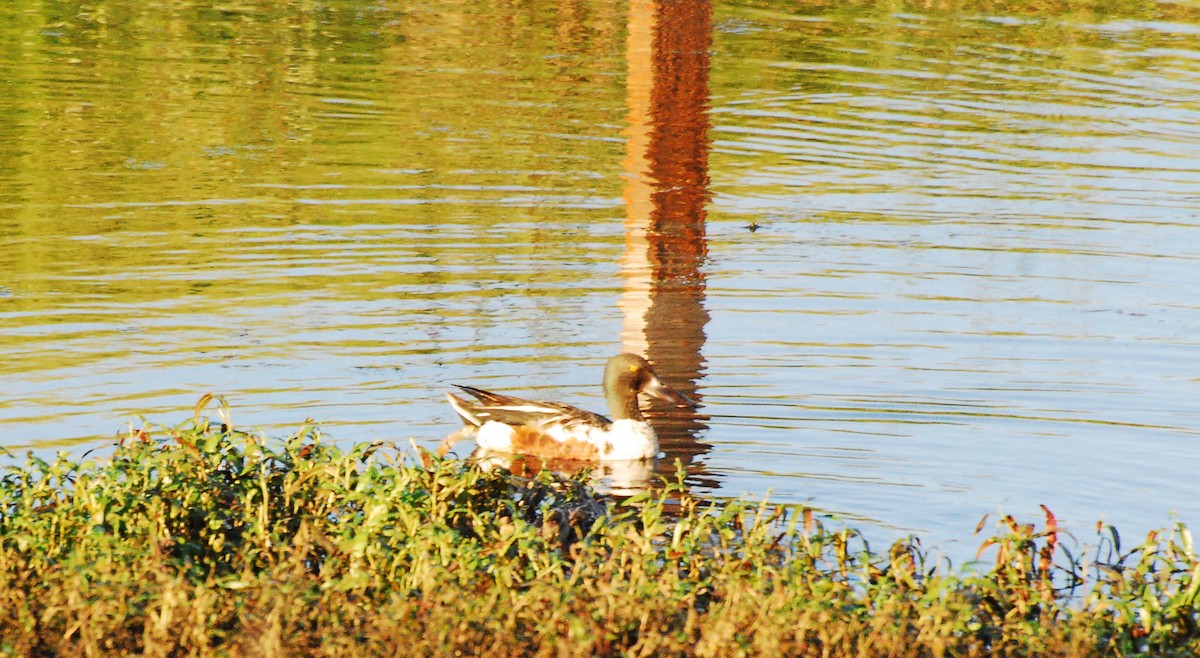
(196, 540)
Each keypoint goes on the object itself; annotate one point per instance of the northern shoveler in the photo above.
(505, 424)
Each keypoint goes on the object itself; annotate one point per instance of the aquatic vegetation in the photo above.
(202, 540)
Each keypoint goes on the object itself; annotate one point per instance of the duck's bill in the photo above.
(657, 389)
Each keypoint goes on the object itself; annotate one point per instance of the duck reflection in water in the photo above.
(614, 478)
(556, 433)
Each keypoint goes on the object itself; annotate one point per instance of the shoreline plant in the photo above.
(201, 540)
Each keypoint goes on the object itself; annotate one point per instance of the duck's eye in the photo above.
(633, 368)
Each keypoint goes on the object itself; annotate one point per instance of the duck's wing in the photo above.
(517, 411)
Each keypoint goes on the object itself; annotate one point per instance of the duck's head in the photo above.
(629, 374)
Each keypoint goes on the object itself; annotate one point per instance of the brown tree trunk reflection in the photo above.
(666, 195)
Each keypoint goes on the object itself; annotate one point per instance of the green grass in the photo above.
(199, 540)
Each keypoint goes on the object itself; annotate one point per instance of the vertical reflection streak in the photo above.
(666, 194)
(639, 185)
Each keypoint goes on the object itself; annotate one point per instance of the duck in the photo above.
(505, 424)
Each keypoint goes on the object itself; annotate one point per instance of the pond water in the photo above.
(915, 265)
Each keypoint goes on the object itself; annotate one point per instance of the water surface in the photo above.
(917, 266)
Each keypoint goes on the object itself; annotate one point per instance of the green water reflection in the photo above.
(978, 225)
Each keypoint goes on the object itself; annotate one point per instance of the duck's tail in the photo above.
(464, 409)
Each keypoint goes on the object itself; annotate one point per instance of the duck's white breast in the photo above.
(625, 440)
